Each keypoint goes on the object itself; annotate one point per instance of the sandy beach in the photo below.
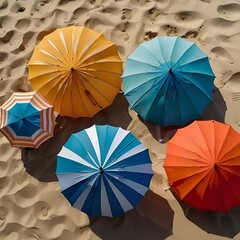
(31, 205)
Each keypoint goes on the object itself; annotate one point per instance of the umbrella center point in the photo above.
(23, 118)
(101, 170)
(215, 166)
(170, 71)
(72, 69)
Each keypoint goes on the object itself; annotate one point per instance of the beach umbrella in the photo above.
(77, 70)
(203, 165)
(104, 170)
(168, 81)
(27, 119)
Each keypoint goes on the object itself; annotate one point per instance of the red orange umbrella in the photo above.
(203, 165)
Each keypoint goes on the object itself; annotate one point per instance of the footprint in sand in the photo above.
(16, 8)
(206, 1)
(233, 84)
(230, 12)
(3, 56)
(23, 24)
(190, 34)
(170, 30)
(222, 54)
(123, 26)
(7, 37)
(4, 4)
(126, 13)
(154, 12)
(149, 35)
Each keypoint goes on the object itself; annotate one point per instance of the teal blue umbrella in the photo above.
(168, 80)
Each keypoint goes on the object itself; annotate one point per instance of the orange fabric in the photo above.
(77, 70)
(203, 165)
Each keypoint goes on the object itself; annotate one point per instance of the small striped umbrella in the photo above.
(27, 120)
(104, 170)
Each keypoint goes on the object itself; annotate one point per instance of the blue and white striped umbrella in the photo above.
(104, 170)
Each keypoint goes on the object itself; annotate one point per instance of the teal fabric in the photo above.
(168, 80)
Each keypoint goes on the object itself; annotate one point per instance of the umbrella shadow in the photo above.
(225, 224)
(41, 162)
(217, 109)
(161, 134)
(152, 219)
(214, 111)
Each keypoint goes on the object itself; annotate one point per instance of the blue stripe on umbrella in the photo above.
(82, 148)
(130, 194)
(137, 159)
(65, 165)
(108, 134)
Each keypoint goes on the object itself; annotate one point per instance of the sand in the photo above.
(31, 205)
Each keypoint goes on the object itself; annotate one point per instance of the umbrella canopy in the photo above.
(27, 120)
(203, 165)
(104, 170)
(77, 70)
(168, 80)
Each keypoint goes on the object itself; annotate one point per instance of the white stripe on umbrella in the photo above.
(61, 35)
(92, 134)
(125, 204)
(68, 154)
(105, 206)
(54, 46)
(141, 189)
(69, 179)
(143, 168)
(120, 135)
(130, 153)
(49, 54)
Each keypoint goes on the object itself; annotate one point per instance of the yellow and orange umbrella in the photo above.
(203, 165)
(77, 70)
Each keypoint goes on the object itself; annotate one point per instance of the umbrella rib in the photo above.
(183, 55)
(64, 86)
(82, 54)
(123, 202)
(150, 89)
(119, 155)
(79, 93)
(78, 140)
(197, 87)
(201, 58)
(48, 54)
(185, 93)
(173, 49)
(143, 73)
(195, 71)
(157, 95)
(143, 83)
(152, 54)
(163, 54)
(49, 79)
(102, 50)
(105, 60)
(85, 71)
(196, 145)
(145, 63)
(197, 183)
(95, 89)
